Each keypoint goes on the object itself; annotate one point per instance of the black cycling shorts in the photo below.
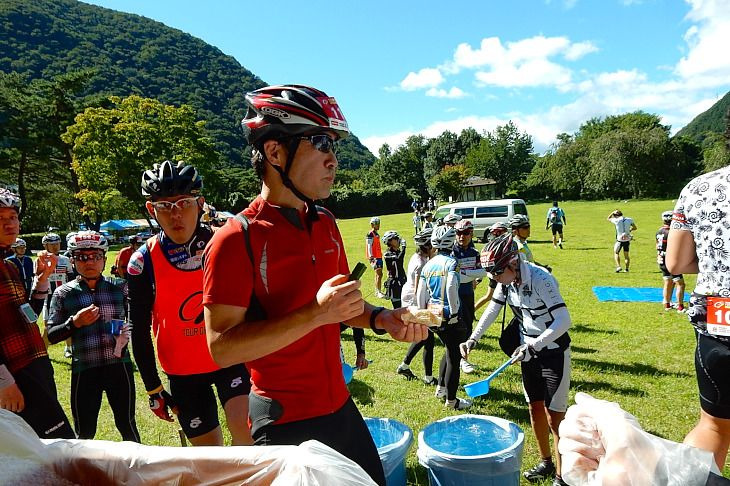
(665, 272)
(557, 228)
(712, 360)
(546, 378)
(193, 394)
(619, 245)
(343, 430)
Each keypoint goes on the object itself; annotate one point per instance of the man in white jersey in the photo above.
(624, 227)
(544, 351)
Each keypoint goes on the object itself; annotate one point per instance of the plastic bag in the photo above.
(103, 462)
(602, 444)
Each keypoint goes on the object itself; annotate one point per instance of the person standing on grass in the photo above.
(374, 254)
(276, 282)
(23, 262)
(424, 251)
(439, 288)
(699, 242)
(624, 227)
(469, 269)
(27, 387)
(63, 273)
(84, 309)
(544, 350)
(394, 255)
(165, 279)
(670, 281)
(428, 224)
(417, 221)
(520, 226)
(556, 220)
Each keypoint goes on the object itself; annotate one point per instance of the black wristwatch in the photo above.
(373, 315)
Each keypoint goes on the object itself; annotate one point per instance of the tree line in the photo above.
(77, 157)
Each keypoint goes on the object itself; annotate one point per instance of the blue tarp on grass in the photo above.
(631, 294)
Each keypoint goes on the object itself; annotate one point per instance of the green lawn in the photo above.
(632, 353)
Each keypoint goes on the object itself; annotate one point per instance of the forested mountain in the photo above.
(709, 122)
(130, 54)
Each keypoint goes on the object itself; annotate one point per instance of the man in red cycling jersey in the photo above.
(276, 291)
(27, 387)
(165, 296)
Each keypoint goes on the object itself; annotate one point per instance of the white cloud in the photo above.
(579, 49)
(453, 93)
(706, 38)
(425, 78)
(536, 72)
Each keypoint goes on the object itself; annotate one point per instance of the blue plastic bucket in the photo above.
(471, 450)
(393, 439)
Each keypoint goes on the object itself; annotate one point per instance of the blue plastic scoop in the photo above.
(481, 387)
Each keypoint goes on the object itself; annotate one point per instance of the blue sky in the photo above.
(403, 68)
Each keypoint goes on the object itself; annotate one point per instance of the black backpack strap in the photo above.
(243, 220)
(255, 311)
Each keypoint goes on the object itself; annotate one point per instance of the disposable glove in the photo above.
(466, 347)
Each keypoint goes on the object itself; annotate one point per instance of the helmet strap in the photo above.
(284, 174)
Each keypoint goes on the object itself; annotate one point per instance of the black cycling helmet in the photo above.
(171, 179)
(499, 253)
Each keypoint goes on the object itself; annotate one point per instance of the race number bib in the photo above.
(718, 316)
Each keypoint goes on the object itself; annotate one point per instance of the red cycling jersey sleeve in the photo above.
(227, 271)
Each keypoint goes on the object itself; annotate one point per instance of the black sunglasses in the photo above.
(88, 257)
(322, 142)
(465, 232)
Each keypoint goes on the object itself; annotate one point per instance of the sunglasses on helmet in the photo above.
(167, 206)
(322, 142)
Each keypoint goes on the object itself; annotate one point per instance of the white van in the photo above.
(484, 214)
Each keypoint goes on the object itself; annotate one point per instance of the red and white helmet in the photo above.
(291, 110)
(88, 240)
(499, 253)
(464, 225)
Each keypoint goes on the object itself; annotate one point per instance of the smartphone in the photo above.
(357, 271)
(28, 313)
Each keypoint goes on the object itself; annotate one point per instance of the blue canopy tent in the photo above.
(119, 225)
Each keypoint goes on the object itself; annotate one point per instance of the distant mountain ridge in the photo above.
(709, 121)
(135, 55)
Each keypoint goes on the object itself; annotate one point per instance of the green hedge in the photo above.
(33, 240)
(345, 202)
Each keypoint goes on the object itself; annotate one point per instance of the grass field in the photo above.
(632, 353)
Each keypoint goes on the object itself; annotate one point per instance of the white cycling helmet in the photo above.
(18, 242)
(389, 235)
(9, 199)
(443, 238)
(51, 238)
(452, 218)
(424, 237)
(519, 221)
(464, 225)
(374, 220)
(88, 240)
(667, 216)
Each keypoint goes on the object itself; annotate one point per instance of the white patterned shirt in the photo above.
(703, 208)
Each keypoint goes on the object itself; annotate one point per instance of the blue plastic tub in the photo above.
(471, 450)
(393, 439)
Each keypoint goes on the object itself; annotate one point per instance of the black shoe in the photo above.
(407, 373)
(432, 382)
(558, 481)
(543, 470)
